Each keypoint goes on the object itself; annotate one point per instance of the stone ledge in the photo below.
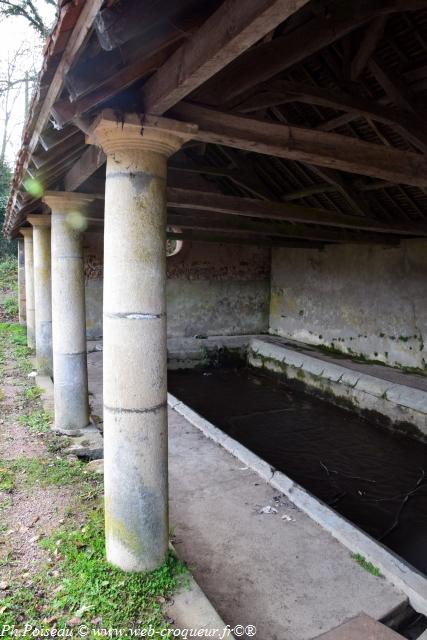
(400, 403)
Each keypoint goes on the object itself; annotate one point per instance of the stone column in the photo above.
(68, 312)
(21, 281)
(135, 385)
(42, 292)
(27, 232)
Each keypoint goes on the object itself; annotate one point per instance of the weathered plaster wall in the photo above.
(211, 289)
(93, 266)
(218, 289)
(366, 300)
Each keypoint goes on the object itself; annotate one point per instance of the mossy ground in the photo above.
(54, 574)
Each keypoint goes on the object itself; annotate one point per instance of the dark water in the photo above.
(372, 477)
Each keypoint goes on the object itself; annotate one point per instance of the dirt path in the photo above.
(28, 509)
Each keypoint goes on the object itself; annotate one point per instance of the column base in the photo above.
(64, 431)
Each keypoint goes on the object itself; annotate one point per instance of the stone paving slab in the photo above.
(362, 627)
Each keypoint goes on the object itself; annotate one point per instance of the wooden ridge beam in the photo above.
(229, 31)
(189, 199)
(305, 145)
(266, 60)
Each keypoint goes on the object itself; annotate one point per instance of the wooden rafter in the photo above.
(91, 159)
(278, 91)
(213, 47)
(371, 37)
(267, 60)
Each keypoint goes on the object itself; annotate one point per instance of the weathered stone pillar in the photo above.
(27, 232)
(68, 312)
(42, 292)
(135, 385)
(21, 281)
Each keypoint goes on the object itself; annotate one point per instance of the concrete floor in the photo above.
(278, 571)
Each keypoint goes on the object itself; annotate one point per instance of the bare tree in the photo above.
(16, 75)
(28, 10)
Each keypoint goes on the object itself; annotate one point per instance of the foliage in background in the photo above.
(7, 248)
(9, 274)
(27, 9)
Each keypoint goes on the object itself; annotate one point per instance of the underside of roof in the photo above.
(345, 85)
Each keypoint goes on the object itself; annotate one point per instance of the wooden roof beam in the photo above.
(213, 47)
(247, 207)
(233, 224)
(305, 145)
(208, 236)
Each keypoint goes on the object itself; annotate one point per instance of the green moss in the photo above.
(365, 564)
(408, 429)
(300, 374)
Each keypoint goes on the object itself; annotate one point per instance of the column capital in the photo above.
(27, 232)
(39, 220)
(67, 201)
(152, 133)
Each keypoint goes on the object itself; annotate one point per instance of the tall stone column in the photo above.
(42, 292)
(21, 281)
(135, 384)
(68, 312)
(27, 232)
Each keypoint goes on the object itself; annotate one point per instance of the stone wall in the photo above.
(365, 300)
(218, 289)
(212, 289)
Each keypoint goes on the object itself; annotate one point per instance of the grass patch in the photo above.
(7, 478)
(47, 472)
(85, 586)
(94, 588)
(9, 274)
(14, 336)
(33, 393)
(37, 421)
(10, 306)
(365, 564)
